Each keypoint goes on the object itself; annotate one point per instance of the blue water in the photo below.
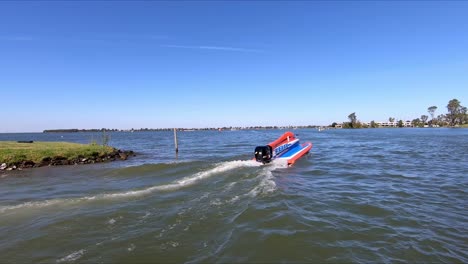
(368, 195)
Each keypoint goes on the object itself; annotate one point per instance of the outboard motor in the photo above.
(263, 154)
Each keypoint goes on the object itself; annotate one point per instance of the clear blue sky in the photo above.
(116, 64)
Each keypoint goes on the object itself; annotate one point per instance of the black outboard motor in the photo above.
(263, 154)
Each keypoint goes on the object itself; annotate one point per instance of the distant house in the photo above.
(387, 124)
(406, 123)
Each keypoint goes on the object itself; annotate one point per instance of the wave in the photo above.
(184, 182)
(73, 256)
(187, 181)
(267, 184)
(151, 169)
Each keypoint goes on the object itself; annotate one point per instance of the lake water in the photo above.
(369, 195)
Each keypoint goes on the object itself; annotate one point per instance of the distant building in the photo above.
(406, 123)
(387, 124)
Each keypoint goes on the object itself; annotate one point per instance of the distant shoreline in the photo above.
(52, 131)
(75, 130)
(219, 129)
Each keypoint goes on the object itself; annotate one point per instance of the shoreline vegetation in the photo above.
(457, 116)
(333, 126)
(18, 155)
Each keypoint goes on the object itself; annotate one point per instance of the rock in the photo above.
(45, 162)
(42, 164)
(59, 158)
(64, 162)
(123, 155)
(27, 164)
(116, 154)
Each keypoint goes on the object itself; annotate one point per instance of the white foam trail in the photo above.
(234, 199)
(279, 163)
(131, 247)
(267, 184)
(187, 181)
(229, 186)
(29, 204)
(73, 256)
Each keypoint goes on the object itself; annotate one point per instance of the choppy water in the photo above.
(376, 195)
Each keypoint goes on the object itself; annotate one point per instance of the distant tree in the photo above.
(431, 110)
(373, 124)
(400, 123)
(441, 120)
(352, 118)
(416, 122)
(334, 124)
(456, 112)
(391, 119)
(463, 115)
(424, 119)
(347, 125)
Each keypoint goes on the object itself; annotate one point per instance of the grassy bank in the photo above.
(14, 153)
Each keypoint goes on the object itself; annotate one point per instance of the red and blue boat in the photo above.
(287, 148)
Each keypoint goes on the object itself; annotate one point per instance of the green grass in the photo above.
(13, 152)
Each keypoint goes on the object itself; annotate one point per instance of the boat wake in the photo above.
(187, 181)
(267, 184)
(176, 185)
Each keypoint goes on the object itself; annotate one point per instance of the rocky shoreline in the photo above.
(95, 157)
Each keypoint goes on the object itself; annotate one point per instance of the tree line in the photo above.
(456, 116)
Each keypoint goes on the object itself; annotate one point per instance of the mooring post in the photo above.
(175, 141)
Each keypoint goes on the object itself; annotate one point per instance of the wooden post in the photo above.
(175, 141)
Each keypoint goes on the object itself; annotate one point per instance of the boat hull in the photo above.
(287, 148)
(295, 153)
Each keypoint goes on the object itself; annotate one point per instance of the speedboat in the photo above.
(286, 148)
